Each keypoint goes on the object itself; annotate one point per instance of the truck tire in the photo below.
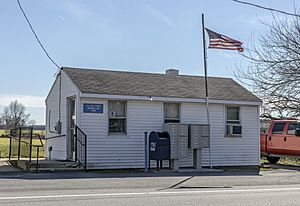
(273, 160)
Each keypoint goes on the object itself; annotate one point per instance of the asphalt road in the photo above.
(274, 187)
(245, 196)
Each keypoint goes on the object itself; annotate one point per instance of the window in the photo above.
(278, 128)
(292, 127)
(172, 113)
(233, 124)
(117, 117)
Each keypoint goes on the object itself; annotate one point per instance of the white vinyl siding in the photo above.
(59, 145)
(120, 151)
(127, 151)
(225, 151)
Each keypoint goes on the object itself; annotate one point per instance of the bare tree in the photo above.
(274, 69)
(1, 121)
(14, 115)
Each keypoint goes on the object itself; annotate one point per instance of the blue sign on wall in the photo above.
(92, 108)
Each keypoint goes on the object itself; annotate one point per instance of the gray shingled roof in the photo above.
(159, 85)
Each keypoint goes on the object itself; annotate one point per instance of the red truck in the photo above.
(282, 139)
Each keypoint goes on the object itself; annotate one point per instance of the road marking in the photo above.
(150, 193)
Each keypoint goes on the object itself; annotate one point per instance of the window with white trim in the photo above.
(233, 123)
(117, 117)
(171, 112)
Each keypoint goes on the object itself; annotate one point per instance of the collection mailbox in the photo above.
(159, 146)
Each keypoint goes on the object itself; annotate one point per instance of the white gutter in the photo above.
(166, 99)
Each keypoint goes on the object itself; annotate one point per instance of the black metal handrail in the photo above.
(17, 135)
(37, 151)
(80, 147)
(54, 137)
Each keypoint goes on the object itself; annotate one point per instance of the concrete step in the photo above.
(56, 169)
(47, 165)
(22, 164)
(53, 164)
(6, 167)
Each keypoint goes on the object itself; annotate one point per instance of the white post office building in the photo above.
(111, 110)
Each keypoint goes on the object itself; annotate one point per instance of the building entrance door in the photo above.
(71, 126)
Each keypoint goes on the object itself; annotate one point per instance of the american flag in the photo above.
(219, 41)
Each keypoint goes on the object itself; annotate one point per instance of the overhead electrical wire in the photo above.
(36, 37)
(266, 8)
(47, 54)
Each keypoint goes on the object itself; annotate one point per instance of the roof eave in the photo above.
(168, 99)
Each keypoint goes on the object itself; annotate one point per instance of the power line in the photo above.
(267, 8)
(40, 43)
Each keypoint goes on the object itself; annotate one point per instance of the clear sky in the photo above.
(130, 35)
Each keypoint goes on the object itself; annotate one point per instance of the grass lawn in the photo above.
(284, 161)
(4, 145)
(289, 161)
(3, 132)
(4, 148)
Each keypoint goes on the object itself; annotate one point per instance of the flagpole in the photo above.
(206, 88)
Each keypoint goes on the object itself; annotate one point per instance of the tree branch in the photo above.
(266, 8)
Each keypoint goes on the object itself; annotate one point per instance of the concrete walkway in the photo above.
(5, 167)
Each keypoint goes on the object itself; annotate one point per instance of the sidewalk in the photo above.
(5, 167)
